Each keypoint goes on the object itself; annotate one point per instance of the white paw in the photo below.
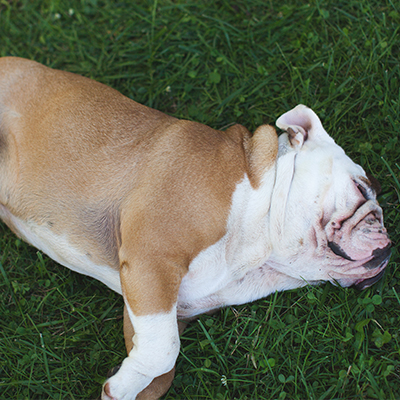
(154, 352)
(126, 384)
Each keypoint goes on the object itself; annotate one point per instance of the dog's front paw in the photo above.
(106, 392)
(110, 392)
(126, 384)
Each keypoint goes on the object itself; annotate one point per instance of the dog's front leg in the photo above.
(160, 384)
(150, 288)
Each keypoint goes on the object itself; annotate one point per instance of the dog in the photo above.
(177, 217)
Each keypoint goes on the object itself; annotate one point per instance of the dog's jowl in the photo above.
(177, 217)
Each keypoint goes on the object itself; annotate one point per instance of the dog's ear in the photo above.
(301, 124)
(261, 151)
(297, 136)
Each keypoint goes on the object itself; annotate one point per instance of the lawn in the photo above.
(218, 62)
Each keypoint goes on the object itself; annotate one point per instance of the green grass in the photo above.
(218, 62)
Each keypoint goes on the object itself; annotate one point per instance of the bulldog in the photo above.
(177, 217)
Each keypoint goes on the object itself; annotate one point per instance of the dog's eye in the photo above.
(368, 187)
(363, 191)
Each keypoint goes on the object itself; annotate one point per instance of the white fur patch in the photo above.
(155, 349)
(230, 271)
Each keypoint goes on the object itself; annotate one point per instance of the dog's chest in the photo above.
(212, 282)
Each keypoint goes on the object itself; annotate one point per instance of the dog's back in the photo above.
(74, 152)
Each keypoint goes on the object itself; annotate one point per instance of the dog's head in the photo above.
(325, 221)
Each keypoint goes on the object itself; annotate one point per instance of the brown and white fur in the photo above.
(177, 217)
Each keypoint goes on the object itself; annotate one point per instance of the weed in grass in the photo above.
(218, 62)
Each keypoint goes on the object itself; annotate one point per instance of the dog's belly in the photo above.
(59, 249)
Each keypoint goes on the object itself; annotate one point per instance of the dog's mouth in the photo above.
(379, 262)
(362, 274)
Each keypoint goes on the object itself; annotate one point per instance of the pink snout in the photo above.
(362, 239)
(359, 235)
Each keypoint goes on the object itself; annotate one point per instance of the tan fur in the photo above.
(127, 186)
(126, 183)
(261, 152)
